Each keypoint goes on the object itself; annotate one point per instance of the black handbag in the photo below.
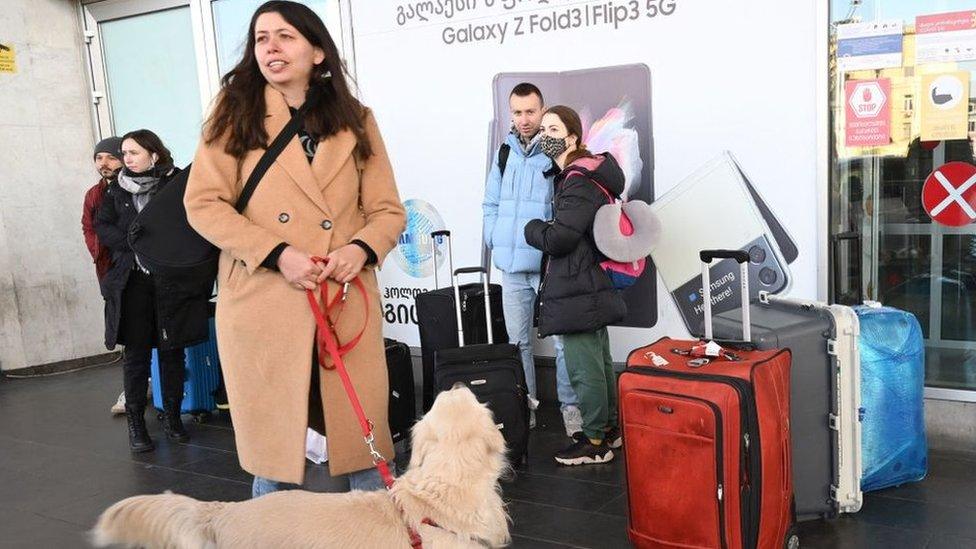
(164, 240)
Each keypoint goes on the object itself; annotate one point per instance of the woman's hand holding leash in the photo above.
(343, 264)
(298, 268)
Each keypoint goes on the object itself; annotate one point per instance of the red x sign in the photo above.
(949, 194)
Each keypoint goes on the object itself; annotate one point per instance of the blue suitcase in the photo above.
(892, 392)
(202, 377)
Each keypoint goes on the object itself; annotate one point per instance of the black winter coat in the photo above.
(576, 295)
(182, 312)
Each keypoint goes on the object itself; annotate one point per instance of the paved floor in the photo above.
(63, 459)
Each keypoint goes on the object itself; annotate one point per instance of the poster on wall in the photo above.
(618, 112)
(724, 151)
(868, 113)
(870, 45)
(8, 58)
(945, 106)
(945, 37)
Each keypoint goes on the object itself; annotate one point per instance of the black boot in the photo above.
(173, 423)
(139, 440)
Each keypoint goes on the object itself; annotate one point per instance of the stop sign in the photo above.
(867, 99)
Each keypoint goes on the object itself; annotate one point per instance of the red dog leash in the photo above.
(327, 340)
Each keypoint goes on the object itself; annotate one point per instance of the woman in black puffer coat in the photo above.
(143, 311)
(576, 298)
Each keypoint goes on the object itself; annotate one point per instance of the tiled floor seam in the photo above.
(557, 477)
(544, 540)
(598, 513)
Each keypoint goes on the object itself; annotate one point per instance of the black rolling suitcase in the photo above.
(438, 319)
(403, 407)
(493, 372)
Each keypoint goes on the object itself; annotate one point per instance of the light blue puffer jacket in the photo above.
(522, 194)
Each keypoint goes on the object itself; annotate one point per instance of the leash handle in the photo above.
(338, 304)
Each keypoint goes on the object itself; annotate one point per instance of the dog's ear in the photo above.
(495, 441)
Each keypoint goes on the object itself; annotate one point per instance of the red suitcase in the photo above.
(708, 445)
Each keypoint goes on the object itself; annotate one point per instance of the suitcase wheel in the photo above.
(202, 417)
(792, 540)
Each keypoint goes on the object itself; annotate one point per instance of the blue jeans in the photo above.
(519, 291)
(366, 480)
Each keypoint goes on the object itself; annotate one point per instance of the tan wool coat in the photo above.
(265, 328)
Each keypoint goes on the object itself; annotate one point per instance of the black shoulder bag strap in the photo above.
(269, 156)
(503, 153)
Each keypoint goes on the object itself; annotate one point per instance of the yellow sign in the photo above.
(945, 106)
(8, 63)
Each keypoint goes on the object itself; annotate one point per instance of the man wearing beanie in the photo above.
(108, 162)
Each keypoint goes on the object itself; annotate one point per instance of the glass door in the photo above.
(152, 78)
(886, 244)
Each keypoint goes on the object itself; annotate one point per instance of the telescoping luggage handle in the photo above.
(433, 252)
(740, 257)
(457, 302)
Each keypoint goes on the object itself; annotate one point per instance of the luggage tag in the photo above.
(702, 350)
(656, 359)
(703, 353)
(694, 362)
(710, 349)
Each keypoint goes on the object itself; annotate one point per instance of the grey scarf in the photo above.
(142, 185)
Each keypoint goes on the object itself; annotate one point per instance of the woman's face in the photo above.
(284, 56)
(553, 126)
(135, 157)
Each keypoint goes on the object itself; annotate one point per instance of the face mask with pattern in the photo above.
(552, 147)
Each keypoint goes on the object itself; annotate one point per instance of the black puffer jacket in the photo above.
(576, 295)
(182, 312)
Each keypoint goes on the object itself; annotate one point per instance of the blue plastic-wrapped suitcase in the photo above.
(892, 387)
(202, 377)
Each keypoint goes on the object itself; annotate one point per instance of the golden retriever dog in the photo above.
(452, 481)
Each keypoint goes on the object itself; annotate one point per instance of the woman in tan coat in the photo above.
(329, 194)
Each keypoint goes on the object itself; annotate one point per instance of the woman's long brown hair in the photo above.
(573, 127)
(240, 109)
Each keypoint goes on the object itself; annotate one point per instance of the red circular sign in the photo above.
(949, 194)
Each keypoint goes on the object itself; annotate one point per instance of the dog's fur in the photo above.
(458, 456)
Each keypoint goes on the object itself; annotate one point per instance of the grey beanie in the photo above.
(111, 145)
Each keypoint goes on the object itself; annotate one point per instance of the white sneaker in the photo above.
(573, 420)
(119, 406)
(533, 405)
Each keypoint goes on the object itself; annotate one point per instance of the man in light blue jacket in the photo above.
(519, 189)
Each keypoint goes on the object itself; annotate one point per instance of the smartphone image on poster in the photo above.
(787, 246)
(713, 209)
(627, 100)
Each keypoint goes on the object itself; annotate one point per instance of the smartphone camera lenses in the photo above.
(757, 255)
(767, 276)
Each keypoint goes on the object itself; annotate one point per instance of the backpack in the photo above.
(164, 240)
(625, 232)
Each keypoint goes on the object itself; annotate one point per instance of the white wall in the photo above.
(50, 307)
